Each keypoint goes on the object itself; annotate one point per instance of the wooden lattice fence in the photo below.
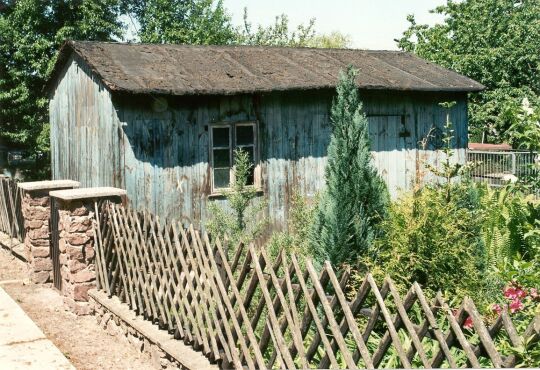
(11, 218)
(243, 308)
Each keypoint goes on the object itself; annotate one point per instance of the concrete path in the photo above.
(22, 344)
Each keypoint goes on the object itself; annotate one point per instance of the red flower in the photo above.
(534, 293)
(513, 292)
(516, 305)
(521, 293)
(496, 308)
(468, 324)
(510, 292)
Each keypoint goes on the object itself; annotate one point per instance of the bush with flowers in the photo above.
(522, 304)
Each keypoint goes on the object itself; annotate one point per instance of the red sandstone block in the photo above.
(33, 224)
(40, 251)
(38, 213)
(42, 264)
(75, 253)
(41, 233)
(41, 277)
(75, 266)
(83, 276)
(80, 225)
(80, 292)
(89, 252)
(62, 245)
(77, 239)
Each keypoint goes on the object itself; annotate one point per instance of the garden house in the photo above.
(162, 121)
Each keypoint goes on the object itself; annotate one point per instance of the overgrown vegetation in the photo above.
(355, 198)
(238, 220)
(434, 240)
(296, 238)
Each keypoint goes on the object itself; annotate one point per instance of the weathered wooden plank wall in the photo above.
(161, 158)
(85, 137)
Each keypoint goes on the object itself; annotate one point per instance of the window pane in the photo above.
(221, 177)
(222, 158)
(244, 135)
(220, 137)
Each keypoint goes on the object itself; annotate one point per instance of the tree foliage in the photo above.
(280, 33)
(31, 32)
(202, 22)
(355, 197)
(495, 42)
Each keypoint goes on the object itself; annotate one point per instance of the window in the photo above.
(224, 139)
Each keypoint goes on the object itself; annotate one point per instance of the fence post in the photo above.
(73, 244)
(35, 205)
(514, 166)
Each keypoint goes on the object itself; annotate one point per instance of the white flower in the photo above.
(526, 106)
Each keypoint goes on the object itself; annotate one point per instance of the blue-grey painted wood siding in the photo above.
(85, 140)
(161, 158)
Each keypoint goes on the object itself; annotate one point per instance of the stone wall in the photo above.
(165, 351)
(76, 247)
(37, 211)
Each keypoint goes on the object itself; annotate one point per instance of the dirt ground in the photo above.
(81, 340)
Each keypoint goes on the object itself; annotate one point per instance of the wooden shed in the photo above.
(162, 121)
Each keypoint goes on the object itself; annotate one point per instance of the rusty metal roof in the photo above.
(227, 70)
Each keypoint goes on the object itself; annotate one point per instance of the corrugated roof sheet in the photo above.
(228, 70)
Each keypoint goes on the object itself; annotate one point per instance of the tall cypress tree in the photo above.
(355, 197)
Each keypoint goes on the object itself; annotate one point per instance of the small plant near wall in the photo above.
(296, 238)
(239, 219)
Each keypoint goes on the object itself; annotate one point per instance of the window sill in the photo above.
(225, 192)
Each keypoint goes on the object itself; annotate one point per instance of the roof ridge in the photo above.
(127, 43)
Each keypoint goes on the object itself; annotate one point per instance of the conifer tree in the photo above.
(355, 197)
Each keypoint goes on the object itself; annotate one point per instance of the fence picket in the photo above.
(246, 309)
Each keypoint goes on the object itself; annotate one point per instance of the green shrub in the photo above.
(434, 240)
(296, 238)
(511, 225)
(239, 220)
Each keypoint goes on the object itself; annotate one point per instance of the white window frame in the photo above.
(232, 146)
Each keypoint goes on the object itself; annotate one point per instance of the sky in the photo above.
(371, 24)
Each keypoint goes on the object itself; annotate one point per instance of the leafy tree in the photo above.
(525, 127)
(493, 41)
(332, 40)
(203, 22)
(281, 34)
(355, 199)
(277, 34)
(31, 31)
